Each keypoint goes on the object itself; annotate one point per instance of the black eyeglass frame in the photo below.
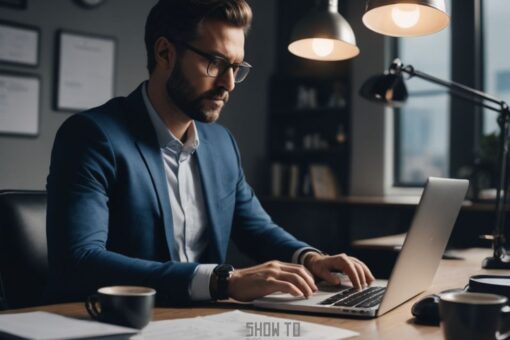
(242, 69)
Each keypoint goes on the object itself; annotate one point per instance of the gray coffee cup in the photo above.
(128, 306)
(476, 316)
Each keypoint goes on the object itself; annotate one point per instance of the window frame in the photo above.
(466, 119)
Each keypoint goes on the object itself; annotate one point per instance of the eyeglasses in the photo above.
(219, 65)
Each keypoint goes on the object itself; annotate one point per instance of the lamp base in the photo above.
(496, 263)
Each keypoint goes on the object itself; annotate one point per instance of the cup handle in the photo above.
(91, 304)
(505, 315)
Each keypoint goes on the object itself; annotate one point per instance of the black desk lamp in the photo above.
(390, 89)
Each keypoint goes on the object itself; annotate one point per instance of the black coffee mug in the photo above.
(476, 316)
(128, 306)
(494, 284)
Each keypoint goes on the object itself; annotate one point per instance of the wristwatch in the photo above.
(221, 275)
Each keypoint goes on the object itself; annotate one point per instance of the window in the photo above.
(423, 124)
(496, 55)
(440, 135)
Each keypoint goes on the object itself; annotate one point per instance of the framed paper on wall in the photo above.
(85, 71)
(19, 44)
(19, 4)
(19, 103)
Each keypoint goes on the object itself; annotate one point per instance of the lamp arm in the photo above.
(470, 99)
(458, 88)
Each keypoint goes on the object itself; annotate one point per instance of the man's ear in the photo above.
(164, 53)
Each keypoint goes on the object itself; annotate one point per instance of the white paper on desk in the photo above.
(43, 325)
(234, 326)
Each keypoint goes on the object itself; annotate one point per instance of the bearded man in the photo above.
(148, 190)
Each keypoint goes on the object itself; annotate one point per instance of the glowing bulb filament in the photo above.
(405, 16)
(322, 47)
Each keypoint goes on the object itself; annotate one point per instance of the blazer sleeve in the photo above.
(82, 175)
(253, 229)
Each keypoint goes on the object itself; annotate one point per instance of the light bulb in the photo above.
(388, 95)
(405, 16)
(322, 47)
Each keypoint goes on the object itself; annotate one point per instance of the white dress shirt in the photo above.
(189, 214)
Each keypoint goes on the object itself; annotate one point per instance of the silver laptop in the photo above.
(414, 269)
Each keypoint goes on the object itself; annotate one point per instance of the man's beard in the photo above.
(183, 95)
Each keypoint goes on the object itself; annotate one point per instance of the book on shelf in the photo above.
(285, 180)
(277, 179)
(306, 189)
(324, 182)
(293, 181)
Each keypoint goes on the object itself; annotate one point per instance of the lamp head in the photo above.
(388, 88)
(406, 18)
(324, 35)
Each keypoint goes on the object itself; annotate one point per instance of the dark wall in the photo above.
(24, 161)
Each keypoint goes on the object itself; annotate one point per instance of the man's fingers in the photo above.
(297, 280)
(361, 275)
(275, 285)
(302, 272)
(330, 277)
(368, 274)
(349, 267)
(275, 267)
(356, 265)
(351, 271)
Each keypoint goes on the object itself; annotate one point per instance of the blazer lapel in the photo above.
(208, 174)
(147, 144)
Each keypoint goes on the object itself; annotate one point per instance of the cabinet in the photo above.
(309, 136)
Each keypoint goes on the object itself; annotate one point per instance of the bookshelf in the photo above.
(308, 126)
(309, 136)
(308, 117)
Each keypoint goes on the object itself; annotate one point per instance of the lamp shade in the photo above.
(388, 89)
(323, 35)
(406, 18)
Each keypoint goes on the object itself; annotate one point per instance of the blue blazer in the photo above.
(109, 220)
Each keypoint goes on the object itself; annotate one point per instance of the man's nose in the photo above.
(227, 80)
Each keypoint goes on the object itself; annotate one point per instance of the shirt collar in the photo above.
(166, 138)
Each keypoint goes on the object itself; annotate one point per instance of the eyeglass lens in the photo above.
(218, 67)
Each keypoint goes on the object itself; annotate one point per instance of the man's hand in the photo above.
(324, 266)
(274, 276)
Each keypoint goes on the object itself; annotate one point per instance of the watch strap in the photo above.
(222, 275)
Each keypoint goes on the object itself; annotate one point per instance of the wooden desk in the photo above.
(396, 324)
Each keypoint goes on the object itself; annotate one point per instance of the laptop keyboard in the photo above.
(352, 297)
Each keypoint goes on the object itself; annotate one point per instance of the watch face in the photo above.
(90, 3)
(223, 270)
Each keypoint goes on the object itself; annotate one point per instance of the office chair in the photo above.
(23, 248)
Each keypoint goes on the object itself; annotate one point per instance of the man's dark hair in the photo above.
(178, 20)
